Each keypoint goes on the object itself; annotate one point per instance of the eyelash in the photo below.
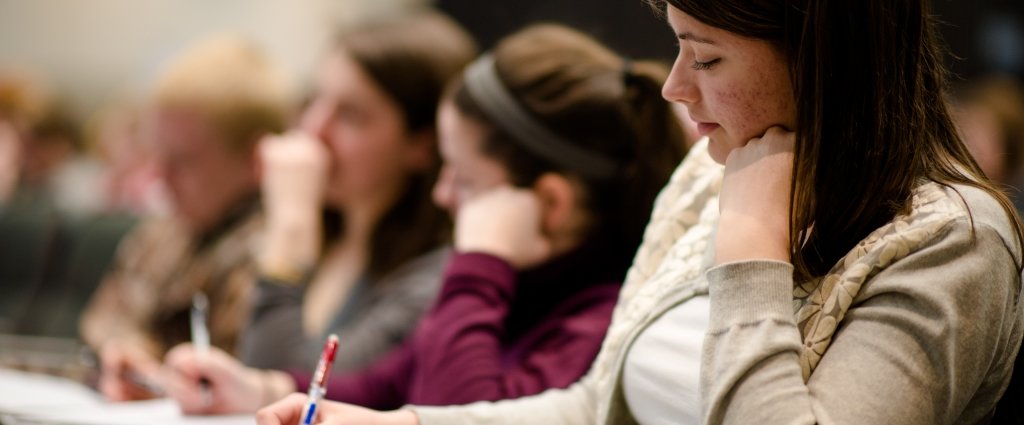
(704, 66)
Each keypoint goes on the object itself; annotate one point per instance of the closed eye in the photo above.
(703, 66)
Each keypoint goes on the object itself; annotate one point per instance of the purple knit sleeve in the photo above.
(459, 355)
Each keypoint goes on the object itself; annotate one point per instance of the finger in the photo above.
(111, 388)
(183, 362)
(187, 393)
(218, 366)
(777, 130)
(282, 412)
(117, 388)
(144, 365)
(111, 359)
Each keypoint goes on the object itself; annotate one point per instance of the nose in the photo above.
(316, 119)
(680, 86)
(444, 190)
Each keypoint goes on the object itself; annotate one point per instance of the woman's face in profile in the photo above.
(466, 172)
(364, 132)
(734, 87)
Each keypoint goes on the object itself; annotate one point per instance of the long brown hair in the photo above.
(411, 57)
(594, 99)
(873, 119)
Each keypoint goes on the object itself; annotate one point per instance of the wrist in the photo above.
(281, 270)
(743, 238)
(290, 250)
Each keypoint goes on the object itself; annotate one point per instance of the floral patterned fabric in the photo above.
(821, 304)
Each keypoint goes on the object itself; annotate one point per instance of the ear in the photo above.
(558, 199)
(421, 153)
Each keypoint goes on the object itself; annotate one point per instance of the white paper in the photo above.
(39, 399)
(19, 390)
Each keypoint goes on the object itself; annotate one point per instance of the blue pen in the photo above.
(318, 385)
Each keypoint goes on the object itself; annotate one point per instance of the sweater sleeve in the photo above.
(122, 306)
(928, 340)
(459, 351)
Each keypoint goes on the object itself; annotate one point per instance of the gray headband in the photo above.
(484, 86)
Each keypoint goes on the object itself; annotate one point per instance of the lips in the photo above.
(705, 128)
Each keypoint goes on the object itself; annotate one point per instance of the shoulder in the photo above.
(154, 240)
(430, 263)
(984, 213)
(420, 275)
(957, 238)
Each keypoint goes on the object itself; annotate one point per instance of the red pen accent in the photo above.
(327, 360)
(318, 386)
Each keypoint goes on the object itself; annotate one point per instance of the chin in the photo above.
(718, 150)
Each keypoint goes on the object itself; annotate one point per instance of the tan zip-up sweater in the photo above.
(928, 337)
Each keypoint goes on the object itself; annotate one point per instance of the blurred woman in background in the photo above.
(554, 150)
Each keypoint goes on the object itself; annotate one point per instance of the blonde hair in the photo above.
(231, 84)
(23, 100)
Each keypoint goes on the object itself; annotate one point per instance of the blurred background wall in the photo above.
(90, 50)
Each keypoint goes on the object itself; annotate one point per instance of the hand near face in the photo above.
(504, 222)
(295, 168)
(232, 387)
(754, 201)
(294, 172)
(288, 410)
(128, 373)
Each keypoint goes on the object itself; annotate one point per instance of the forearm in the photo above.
(752, 345)
(572, 406)
(291, 243)
(909, 350)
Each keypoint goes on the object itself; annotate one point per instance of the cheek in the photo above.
(746, 110)
(750, 108)
(371, 162)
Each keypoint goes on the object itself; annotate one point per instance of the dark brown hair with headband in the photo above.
(590, 116)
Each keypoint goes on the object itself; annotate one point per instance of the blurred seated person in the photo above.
(57, 172)
(24, 105)
(554, 152)
(353, 243)
(18, 102)
(208, 110)
(991, 119)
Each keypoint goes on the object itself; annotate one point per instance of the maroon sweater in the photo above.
(494, 334)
